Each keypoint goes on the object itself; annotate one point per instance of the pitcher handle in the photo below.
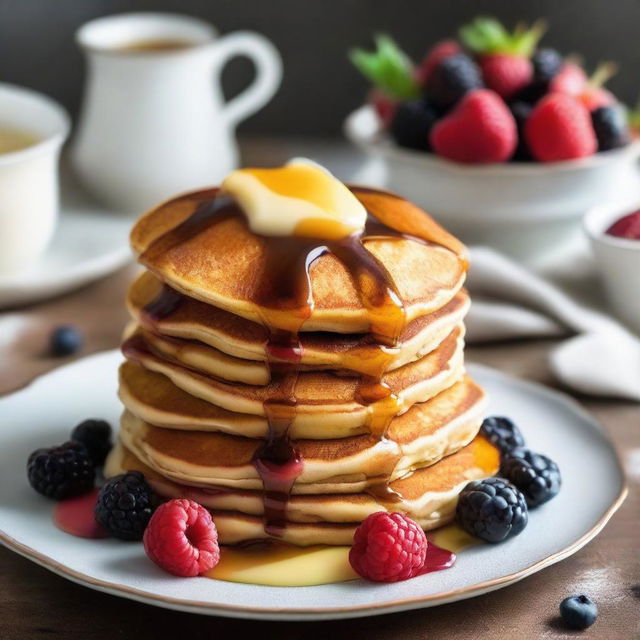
(268, 66)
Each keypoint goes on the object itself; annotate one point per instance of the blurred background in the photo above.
(319, 87)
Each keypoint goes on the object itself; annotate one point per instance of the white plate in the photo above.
(90, 242)
(43, 414)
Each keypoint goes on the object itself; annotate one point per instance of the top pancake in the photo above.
(224, 263)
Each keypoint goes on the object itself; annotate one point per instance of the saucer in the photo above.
(41, 415)
(90, 242)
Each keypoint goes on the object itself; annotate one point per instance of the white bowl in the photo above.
(520, 208)
(618, 260)
(29, 190)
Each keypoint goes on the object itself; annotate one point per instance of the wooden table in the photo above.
(35, 603)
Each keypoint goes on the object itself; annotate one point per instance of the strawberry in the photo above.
(480, 129)
(571, 79)
(390, 71)
(594, 95)
(504, 57)
(559, 128)
(436, 54)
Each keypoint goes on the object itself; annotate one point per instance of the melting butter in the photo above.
(300, 199)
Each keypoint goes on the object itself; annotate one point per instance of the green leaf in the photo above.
(388, 68)
(486, 36)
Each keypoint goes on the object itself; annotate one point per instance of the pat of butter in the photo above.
(300, 199)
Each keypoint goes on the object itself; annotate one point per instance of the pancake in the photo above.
(428, 496)
(216, 259)
(322, 397)
(245, 341)
(419, 438)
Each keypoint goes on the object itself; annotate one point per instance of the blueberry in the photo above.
(411, 124)
(454, 77)
(521, 111)
(578, 612)
(492, 509)
(611, 127)
(502, 433)
(546, 64)
(65, 340)
(537, 476)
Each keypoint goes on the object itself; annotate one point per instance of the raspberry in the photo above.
(95, 435)
(182, 539)
(480, 129)
(388, 547)
(61, 472)
(559, 128)
(124, 506)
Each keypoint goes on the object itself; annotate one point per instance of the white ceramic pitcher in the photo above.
(154, 123)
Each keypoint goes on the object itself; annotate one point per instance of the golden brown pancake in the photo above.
(224, 264)
(244, 342)
(419, 438)
(322, 398)
(428, 496)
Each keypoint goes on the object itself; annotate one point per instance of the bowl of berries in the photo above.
(507, 143)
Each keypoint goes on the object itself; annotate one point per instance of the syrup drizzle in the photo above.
(285, 299)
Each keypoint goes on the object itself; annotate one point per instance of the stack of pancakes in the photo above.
(293, 386)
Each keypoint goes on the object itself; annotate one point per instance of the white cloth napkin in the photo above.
(600, 357)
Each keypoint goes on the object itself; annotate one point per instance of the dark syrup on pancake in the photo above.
(286, 287)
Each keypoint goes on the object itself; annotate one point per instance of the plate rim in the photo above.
(306, 613)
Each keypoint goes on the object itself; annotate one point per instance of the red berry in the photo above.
(480, 129)
(182, 539)
(559, 128)
(506, 74)
(595, 97)
(571, 79)
(388, 547)
(433, 58)
(626, 227)
(384, 106)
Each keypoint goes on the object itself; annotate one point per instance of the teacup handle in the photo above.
(268, 66)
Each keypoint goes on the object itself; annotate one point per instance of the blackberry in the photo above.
(611, 127)
(546, 63)
(532, 93)
(578, 612)
(502, 433)
(124, 506)
(411, 124)
(535, 475)
(64, 341)
(521, 111)
(451, 79)
(492, 509)
(61, 472)
(95, 435)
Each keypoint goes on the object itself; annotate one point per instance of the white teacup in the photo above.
(29, 191)
(154, 122)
